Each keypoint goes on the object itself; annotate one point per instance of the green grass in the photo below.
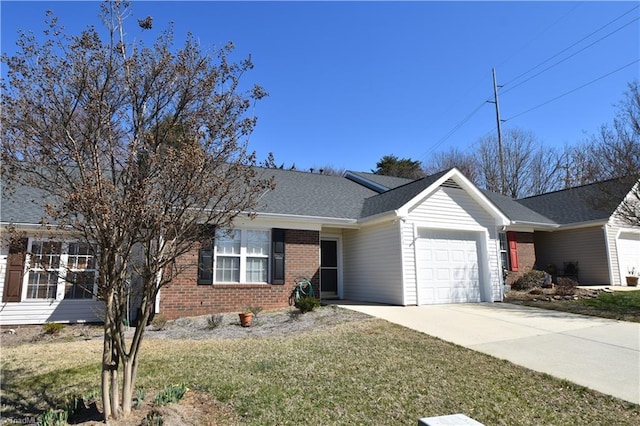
(362, 372)
(620, 305)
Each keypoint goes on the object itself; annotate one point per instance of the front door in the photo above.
(329, 268)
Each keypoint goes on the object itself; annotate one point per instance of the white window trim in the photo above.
(244, 255)
(61, 284)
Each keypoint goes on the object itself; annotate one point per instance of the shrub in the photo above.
(530, 280)
(171, 394)
(566, 286)
(52, 328)
(214, 321)
(53, 418)
(141, 394)
(153, 419)
(159, 322)
(307, 304)
(255, 310)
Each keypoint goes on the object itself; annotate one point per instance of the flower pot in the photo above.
(632, 281)
(245, 319)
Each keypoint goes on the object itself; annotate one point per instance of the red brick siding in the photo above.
(526, 256)
(184, 297)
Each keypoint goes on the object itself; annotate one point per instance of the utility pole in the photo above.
(503, 188)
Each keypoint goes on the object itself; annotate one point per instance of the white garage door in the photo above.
(447, 267)
(628, 253)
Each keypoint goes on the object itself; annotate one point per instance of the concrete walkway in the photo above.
(598, 353)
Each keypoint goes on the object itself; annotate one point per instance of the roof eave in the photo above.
(390, 215)
(585, 224)
(327, 221)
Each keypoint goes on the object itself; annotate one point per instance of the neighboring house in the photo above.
(587, 233)
(359, 236)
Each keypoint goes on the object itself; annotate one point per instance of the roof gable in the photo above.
(405, 197)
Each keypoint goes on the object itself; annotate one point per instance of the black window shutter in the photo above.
(205, 263)
(277, 256)
(15, 271)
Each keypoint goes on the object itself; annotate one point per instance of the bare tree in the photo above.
(614, 153)
(530, 168)
(140, 151)
(463, 161)
(581, 166)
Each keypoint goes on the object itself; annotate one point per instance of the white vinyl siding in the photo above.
(454, 209)
(614, 229)
(584, 245)
(42, 311)
(372, 264)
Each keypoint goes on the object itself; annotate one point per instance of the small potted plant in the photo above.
(632, 277)
(246, 318)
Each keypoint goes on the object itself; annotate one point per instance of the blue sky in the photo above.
(349, 82)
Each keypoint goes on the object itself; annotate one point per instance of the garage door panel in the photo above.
(458, 256)
(447, 267)
(442, 255)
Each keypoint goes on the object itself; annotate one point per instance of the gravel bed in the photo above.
(265, 324)
(280, 322)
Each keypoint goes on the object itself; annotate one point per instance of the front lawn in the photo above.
(360, 372)
(619, 305)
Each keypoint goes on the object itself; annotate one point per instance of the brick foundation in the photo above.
(184, 297)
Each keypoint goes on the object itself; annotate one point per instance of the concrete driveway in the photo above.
(597, 353)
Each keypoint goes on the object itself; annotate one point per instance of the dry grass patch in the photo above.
(365, 371)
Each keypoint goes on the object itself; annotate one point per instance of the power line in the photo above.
(461, 123)
(574, 90)
(571, 46)
(453, 130)
(554, 23)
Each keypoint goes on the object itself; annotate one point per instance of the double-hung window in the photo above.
(54, 263)
(504, 250)
(81, 272)
(227, 251)
(241, 256)
(44, 270)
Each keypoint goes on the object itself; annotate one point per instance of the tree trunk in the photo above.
(128, 385)
(106, 376)
(115, 393)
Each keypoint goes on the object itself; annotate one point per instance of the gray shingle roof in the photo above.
(399, 196)
(22, 204)
(389, 182)
(516, 211)
(312, 194)
(296, 193)
(316, 195)
(586, 203)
